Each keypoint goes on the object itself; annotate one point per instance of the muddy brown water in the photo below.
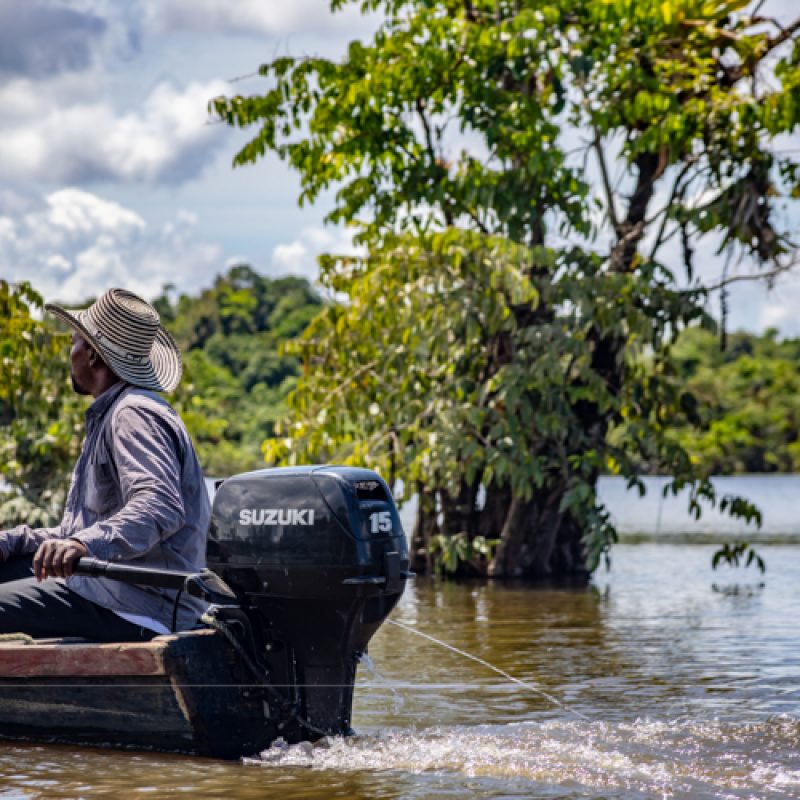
(690, 680)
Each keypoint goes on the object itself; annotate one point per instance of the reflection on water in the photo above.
(690, 692)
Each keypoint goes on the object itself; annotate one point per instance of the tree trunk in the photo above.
(539, 541)
(425, 528)
(458, 513)
(536, 541)
(491, 517)
(507, 560)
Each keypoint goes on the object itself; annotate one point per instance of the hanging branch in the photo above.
(612, 212)
(678, 190)
(688, 251)
(431, 148)
(723, 302)
(758, 276)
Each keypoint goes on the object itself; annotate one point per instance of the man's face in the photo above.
(81, 370)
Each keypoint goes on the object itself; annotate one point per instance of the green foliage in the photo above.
(236, 376)
(461, 554)
(444, 401)
(746, 401)
(40, 419)
(512, 326)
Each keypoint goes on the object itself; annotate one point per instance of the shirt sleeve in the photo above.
(148, 464)
(23, 539)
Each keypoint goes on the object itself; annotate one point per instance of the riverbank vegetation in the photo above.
(235, 383)
(747, 411)
(747, 402)
(40, 416)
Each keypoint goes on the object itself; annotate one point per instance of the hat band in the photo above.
(106, 344)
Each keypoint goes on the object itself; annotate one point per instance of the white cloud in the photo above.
(299, 257)
(254, 17)
(76, 211)
(75, 244)
(167, 139)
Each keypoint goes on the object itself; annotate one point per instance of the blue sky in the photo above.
(111, 175)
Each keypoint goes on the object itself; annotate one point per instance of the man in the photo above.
(137, 492)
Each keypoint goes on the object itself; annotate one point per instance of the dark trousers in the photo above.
(49, 609)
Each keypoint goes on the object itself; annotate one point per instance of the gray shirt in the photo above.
(137, 495)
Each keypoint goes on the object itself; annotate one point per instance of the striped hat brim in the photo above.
(161, 372)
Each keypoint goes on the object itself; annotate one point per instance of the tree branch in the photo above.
(758, 276)
(631, 230)
(475, 218)
(431, 148)
(612, 212)
(429, 143)
(677, 189)
(786, 34)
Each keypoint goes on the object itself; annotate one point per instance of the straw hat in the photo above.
(127, 333)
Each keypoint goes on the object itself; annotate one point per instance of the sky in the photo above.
(112, 173)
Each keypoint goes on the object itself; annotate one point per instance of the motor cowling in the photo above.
(319, 557)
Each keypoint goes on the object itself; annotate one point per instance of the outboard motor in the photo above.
(318, 559)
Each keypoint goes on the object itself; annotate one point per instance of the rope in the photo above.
(175, 611)
(225, 630)
(528, 686)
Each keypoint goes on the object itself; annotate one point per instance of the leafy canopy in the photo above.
(520, 173)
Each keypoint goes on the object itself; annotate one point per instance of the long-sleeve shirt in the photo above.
(137, 495)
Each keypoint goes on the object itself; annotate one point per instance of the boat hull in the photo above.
(186, 693)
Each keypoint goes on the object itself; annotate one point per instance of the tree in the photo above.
(509, 334)
(41, 421)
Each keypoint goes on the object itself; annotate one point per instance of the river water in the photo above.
(663, 679)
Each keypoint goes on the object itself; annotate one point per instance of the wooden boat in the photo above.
(174, 693)
(300, 585)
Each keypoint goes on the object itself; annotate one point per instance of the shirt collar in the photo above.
(105, 401)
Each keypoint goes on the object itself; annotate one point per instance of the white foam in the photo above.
(697, 759)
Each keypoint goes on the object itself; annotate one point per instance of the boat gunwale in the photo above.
(70, 659)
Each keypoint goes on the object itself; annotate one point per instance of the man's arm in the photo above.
(23, 540)
(149, 469)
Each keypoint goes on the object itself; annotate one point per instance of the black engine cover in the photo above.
(320, 555)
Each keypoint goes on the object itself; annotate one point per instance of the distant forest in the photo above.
(236, 378)
(746, 401)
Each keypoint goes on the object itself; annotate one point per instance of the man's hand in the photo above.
(56, 558)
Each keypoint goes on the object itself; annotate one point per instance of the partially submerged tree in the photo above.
(519, 173)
